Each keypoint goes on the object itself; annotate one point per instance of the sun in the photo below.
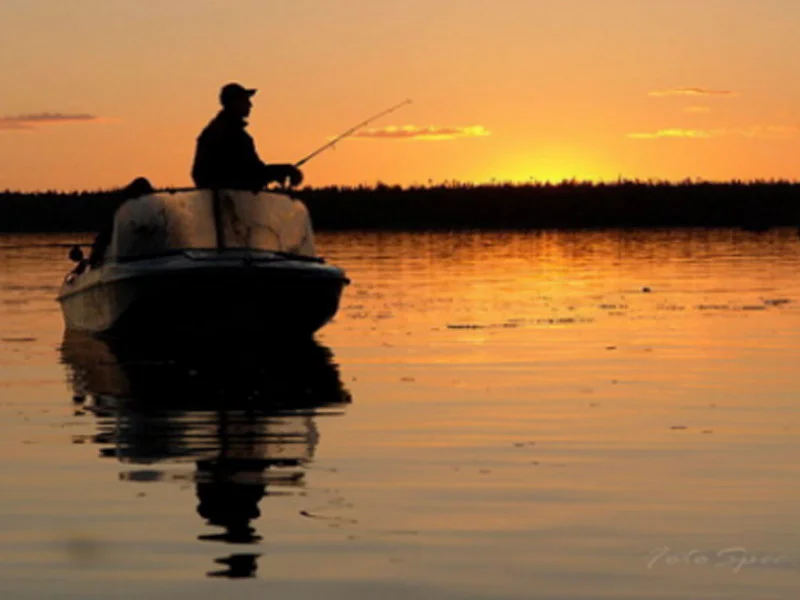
(551, 167)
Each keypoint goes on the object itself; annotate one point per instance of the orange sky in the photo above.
(97, 92)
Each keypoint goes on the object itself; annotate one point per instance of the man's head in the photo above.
(235, 98)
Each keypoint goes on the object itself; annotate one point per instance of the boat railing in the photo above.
(212, 253)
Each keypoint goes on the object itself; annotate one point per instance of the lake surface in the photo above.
(557, 415)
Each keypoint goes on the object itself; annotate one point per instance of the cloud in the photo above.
(34, 120)
(763, 132)
(698, 109)
(428, 132)
(674, 133)
(689, 91)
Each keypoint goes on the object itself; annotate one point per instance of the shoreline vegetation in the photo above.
(754, 205)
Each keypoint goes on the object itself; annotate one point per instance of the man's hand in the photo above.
(295, 175)
(286, 175)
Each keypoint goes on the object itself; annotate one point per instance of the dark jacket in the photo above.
(226, 157)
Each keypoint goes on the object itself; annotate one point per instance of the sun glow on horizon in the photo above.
(550, 167)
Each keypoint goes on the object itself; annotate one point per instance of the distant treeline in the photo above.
(570, 204)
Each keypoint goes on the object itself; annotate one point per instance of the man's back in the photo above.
(226, 156)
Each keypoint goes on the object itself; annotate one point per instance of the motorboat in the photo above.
(204, 262)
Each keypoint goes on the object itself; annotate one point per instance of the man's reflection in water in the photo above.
(225, 503)
(247, 420)
(239, 566)
(232, 506)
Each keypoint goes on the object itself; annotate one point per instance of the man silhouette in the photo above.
(226, 155)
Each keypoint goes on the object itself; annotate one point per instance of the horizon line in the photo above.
(499, 183)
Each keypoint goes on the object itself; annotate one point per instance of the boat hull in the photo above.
(181, 296)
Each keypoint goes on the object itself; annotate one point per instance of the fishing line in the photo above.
(351, 131)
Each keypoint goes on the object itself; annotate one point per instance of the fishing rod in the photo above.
(350, 131)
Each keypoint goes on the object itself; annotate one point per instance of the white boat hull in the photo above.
(179, 295)
(206, 263)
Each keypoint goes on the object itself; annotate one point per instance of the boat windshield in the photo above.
(204, 219)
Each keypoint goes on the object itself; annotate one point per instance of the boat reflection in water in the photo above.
(245, 418)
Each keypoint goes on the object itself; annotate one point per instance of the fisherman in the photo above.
(226, 155)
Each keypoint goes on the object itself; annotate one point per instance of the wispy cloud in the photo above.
(764, 132)
(691, 91)
(698, 109)
(674, 133)
(428, 132)
(34, 120)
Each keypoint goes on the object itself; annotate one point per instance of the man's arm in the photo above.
(280, 173)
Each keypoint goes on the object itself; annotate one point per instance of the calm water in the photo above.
(558, 415)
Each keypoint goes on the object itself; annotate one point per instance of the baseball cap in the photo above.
(232, 91)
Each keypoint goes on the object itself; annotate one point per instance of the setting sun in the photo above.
(550, 165)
